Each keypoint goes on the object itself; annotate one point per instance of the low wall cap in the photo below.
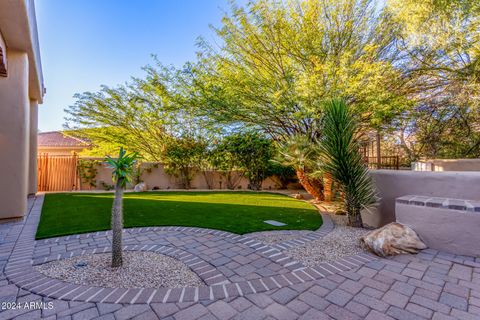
(439, 202)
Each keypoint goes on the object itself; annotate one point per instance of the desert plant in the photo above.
(340, 156)
(122, 171)
(301, 153)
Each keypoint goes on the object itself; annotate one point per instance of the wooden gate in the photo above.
(57, 173)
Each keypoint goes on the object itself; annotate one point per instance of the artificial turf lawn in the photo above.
(237, 212)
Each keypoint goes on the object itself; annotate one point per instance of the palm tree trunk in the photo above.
(328, 183)
(117, 225)
(314, 188)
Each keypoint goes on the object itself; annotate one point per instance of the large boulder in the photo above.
(392, 239)
(140, 187)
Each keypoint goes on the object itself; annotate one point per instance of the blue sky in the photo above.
(87, 43)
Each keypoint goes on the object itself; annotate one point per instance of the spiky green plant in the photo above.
(122, 172)
(340, 156)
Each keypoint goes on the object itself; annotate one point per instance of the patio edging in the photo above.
(19, 270)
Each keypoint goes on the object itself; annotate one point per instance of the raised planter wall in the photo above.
(451, 225)
(394, 184)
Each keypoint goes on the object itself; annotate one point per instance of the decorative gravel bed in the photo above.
(272, 237)
(139, 270)
(340, 242)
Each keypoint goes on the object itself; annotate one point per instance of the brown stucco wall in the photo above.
(32, 163)
(448, 230)
(14, 137)
(158, 178)
(392, 184)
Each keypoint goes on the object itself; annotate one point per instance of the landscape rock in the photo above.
(297, 196)
(393, 239)
(141, 187)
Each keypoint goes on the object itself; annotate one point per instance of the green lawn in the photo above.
(238, 212)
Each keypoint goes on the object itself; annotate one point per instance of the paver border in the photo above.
(19, 270)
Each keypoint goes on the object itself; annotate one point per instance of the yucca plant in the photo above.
(122, 172)
(340, 156)
(300, 153)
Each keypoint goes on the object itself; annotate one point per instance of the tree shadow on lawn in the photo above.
(80, 213)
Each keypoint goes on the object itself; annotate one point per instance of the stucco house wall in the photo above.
(21, 90)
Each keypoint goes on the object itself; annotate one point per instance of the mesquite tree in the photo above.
(122, 170)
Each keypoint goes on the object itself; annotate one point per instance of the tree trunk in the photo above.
(117, 225)
(313, 186)
(328, 183)
(353, 213)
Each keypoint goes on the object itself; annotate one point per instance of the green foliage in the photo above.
(284, 174)
(87, 170)
(340, 156)
(407, 69)
(142, 116)
(248, 152)
(440, 42)
(279, 59)
(298, 152)
(183, 157)
(122, 166)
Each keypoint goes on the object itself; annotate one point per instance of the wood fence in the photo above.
(386, 162)
(377, 158)
(57, 173)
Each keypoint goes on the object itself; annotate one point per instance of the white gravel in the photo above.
(139, 270)
(340, 242)
(272, 237)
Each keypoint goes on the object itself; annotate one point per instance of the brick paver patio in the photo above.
(244, 279)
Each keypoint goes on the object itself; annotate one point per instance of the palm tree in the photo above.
(122, 171)
(340, 156)
(300, 153)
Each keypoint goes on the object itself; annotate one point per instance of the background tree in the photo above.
(183, 158)
(226, 162)
(252, 153)
(142, 116)
(340, 156)
(278, 60)
(440, 45)
(122, 170)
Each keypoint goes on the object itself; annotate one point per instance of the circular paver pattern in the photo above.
(230, 265)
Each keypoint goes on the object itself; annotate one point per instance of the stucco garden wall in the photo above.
(158, 178)
(393, 184)
(447, 165)
(444, 224)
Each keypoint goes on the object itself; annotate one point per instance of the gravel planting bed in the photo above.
(272, 237)
(139, 270)
(340, 242)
